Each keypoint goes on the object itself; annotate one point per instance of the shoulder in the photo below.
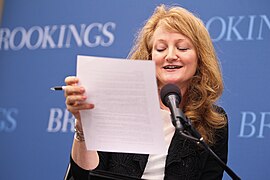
(224, 124)
(221, 134)
(219, 110)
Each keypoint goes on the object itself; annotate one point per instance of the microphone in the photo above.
(171, 97)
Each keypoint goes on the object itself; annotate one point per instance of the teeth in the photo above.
(172, 67)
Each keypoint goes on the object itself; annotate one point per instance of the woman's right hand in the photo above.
(75, 97)
(75, 101)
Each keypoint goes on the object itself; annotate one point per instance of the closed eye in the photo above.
(182, 49)
(160, 50)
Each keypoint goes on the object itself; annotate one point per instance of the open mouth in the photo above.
(172, 67)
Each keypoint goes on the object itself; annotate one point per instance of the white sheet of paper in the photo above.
(126, 117)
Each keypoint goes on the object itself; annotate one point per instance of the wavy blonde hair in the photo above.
(207, 85)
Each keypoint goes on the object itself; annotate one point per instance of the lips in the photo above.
(172, 67)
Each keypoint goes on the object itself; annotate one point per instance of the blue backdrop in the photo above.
(39, 42)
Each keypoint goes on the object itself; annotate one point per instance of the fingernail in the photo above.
(91, 105)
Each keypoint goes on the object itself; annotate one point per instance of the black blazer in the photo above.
(185, 160)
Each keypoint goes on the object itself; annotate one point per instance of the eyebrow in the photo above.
(177, 40)
(186, 41)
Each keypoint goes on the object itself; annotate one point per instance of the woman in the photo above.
(184, 55)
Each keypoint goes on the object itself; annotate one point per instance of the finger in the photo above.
(78, 107)
(71, 90)
(75, 100)
(71, 80)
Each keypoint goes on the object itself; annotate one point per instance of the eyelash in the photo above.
(181, 49)
(160, 50)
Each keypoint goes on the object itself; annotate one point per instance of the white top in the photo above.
(155, 166)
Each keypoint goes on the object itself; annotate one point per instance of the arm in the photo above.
(212, 170)
(75, 101)
(80, 155)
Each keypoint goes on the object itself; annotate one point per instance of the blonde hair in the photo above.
(207, 85)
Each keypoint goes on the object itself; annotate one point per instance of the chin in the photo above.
(171, 81)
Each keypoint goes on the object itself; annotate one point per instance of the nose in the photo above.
(171, 55)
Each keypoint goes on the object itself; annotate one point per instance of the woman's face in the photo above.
(175, 58)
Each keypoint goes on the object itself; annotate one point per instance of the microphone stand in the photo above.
(183, 124)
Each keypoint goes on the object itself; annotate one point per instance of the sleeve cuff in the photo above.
(77, 172)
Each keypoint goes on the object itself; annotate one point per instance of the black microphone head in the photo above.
(167, 90)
